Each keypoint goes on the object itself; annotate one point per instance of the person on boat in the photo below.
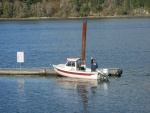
(94, 65)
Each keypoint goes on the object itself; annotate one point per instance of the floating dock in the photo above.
(46, 71)
(27, 71)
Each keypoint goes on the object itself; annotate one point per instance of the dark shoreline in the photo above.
(61, 18)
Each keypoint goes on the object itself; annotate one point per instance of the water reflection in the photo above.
(21, 83)
(21, 92)
(73, 82)
(85, 88)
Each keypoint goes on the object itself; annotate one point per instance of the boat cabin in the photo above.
(74, 64)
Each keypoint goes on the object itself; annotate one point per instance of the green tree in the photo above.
(77, 5)
(31, 1)
(84, 10)
(147, 4)
(7, 9)
(118, 2)
(1, 9)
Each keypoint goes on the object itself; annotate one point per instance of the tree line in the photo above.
(28, 8)
(70, 8)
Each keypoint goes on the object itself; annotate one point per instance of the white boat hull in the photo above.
(76, 73)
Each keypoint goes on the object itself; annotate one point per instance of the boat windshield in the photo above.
(71, 64)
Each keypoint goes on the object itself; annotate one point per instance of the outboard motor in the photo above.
(103, 73)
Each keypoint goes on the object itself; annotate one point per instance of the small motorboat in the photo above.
(74, 68)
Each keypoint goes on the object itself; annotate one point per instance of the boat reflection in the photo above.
(84, 88)
(74, 83)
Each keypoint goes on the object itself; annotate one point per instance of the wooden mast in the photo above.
(83, 42)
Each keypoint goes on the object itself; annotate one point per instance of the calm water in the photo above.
(123, 43)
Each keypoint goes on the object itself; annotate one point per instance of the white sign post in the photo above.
(20, 57)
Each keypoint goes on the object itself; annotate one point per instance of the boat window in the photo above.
(72, 64)
(68, 64)
(78, 63)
